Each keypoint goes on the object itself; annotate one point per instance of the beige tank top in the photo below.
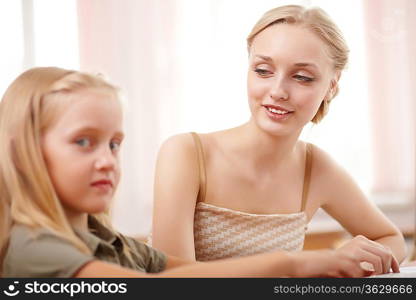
(222, 233)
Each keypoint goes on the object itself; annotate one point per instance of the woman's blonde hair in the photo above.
(28, 107)
(320, 23)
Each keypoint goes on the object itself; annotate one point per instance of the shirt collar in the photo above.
(97, 233)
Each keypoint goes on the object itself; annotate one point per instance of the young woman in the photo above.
(253, 188)
(60, 134)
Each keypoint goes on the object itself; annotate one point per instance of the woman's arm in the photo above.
(323, 263)
(176, 189)
(343, 200)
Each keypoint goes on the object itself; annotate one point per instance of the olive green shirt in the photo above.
(41, 253)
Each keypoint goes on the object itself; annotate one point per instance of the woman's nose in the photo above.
(279, 90)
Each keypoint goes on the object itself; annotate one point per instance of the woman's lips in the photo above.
(277, 116)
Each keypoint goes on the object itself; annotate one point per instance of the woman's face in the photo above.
(290, 73)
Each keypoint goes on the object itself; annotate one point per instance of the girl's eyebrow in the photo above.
(119, 134)
(90, 129)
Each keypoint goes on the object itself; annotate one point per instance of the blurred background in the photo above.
(182, 65)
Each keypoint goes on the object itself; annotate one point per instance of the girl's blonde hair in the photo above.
(29, 106)
(319, 22)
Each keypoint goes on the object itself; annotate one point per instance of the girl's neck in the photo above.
(77, 220)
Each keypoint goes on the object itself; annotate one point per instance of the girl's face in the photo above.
(81, 151)
(290, 73)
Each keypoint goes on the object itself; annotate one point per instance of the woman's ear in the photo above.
(333, 85)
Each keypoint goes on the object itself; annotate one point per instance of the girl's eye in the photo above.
(303, 78)
(84, 142)
(262, 72)
(115, 145)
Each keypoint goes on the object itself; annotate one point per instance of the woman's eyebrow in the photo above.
(266, 58)
(302, 64)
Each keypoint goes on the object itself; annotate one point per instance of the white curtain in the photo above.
(131, 43)
(390, 28)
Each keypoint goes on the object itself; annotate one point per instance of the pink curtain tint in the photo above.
(130, 42)
(390, 29)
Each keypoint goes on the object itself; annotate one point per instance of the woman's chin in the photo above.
(274, 129)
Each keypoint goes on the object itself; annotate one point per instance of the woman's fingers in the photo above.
(345, 265)
(328, 263)
(387, 257)
(352, 268)
(347, 262)
(373, 259)
(395, 266)
(379, 258)
(372, 252)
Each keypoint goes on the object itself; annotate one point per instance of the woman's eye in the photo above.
(84, 142)
(303, 78)
(262, 72)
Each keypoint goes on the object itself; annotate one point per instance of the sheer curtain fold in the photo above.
(130, 42)
(391, 35)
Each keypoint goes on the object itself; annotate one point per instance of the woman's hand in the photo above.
(366, 251)
(327, 263)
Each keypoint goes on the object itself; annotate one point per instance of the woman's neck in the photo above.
(265, 150)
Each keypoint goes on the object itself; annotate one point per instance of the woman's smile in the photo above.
(277, 113)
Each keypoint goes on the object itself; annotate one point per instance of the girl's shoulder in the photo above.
(22, 235)
(38, 252)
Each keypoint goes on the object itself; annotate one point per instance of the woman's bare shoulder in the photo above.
(177, 150)
(186, 140)
(322, 162)
(177, 141)
(212, 142)
(328, 175)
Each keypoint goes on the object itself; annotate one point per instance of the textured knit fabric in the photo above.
(222, 233)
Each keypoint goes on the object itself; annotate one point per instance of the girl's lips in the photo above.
(102, 181)
(103, 185)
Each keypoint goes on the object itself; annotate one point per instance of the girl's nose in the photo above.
(106, 160)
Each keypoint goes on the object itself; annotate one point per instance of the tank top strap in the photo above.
(201, 166)
(307, 176)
